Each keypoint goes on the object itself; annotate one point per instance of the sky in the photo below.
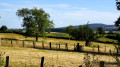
(62, 12)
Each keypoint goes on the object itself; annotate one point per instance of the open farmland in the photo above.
(26, 57)
(31, 57)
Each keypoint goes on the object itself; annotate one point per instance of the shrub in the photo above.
(1, 58)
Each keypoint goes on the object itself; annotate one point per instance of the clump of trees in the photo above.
(3, 28)
(82, 33)
(36, 21)
(100, 31)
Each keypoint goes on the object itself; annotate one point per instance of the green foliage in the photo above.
(59, 35)
(35, 20)
(1, 58)
(106, 40)
(3, 28)
(69, 29)
(100, 31)
(117, 23)
(87, 60)
(83, 33)
(115, 36)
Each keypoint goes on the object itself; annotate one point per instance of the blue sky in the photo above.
(62, 12)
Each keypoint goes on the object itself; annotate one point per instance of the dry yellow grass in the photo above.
(11, 35)
(21, 57)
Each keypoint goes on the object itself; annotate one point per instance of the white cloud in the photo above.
(61, 23)
(81, 17)
(68, 16)
(27, 2)
(5, 4)
(47, 5)
(31, 5)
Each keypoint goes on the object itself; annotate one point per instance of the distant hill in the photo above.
(95, 26)
(106, 27)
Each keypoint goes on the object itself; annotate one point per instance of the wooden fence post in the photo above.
(93, 47)
(105, 48)
(110, 51)
(80, 66)
(0, 41)
(16, 41)
(23, 43)
(98, 49)
(6, 41)
(66, 46)
(11, 43)
(33, 44)
(101, 63)
(43, 44)
(74, 46)
(78, 47)
(117, 51)
(59, 46)
(42, 62)
(50, 45)
(56, 45)
(7, 61)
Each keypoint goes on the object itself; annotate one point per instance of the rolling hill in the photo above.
(94, 26)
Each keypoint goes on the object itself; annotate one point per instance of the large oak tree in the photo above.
(35, 21)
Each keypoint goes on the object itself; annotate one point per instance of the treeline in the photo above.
(113, 36)
(85, 33)
(4, 29)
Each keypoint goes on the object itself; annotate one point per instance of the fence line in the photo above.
(54, 46)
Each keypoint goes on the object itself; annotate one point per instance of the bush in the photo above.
(115, 36)
(3, 28)
(2, 59)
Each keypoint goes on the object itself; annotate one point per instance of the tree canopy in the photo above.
(82, 33)
(35, 20)
(117, 23)
(3, 28)
(100, 31)
(69, 29)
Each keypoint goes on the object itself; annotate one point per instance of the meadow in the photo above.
(31, 57)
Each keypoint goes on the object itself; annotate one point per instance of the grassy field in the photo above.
(58, 35)
(107, 40)
(54, 40)
(30, 57)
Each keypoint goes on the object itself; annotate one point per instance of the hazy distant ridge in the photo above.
(106, 27)
(95, 26)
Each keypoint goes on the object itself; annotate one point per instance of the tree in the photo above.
(87, 34)
(84, 33)
(101, 31)
(117, 23)
(3, 28)
(35, 21)
(69, 29)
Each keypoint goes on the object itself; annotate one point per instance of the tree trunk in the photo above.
(36, 36)
(87, 43)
